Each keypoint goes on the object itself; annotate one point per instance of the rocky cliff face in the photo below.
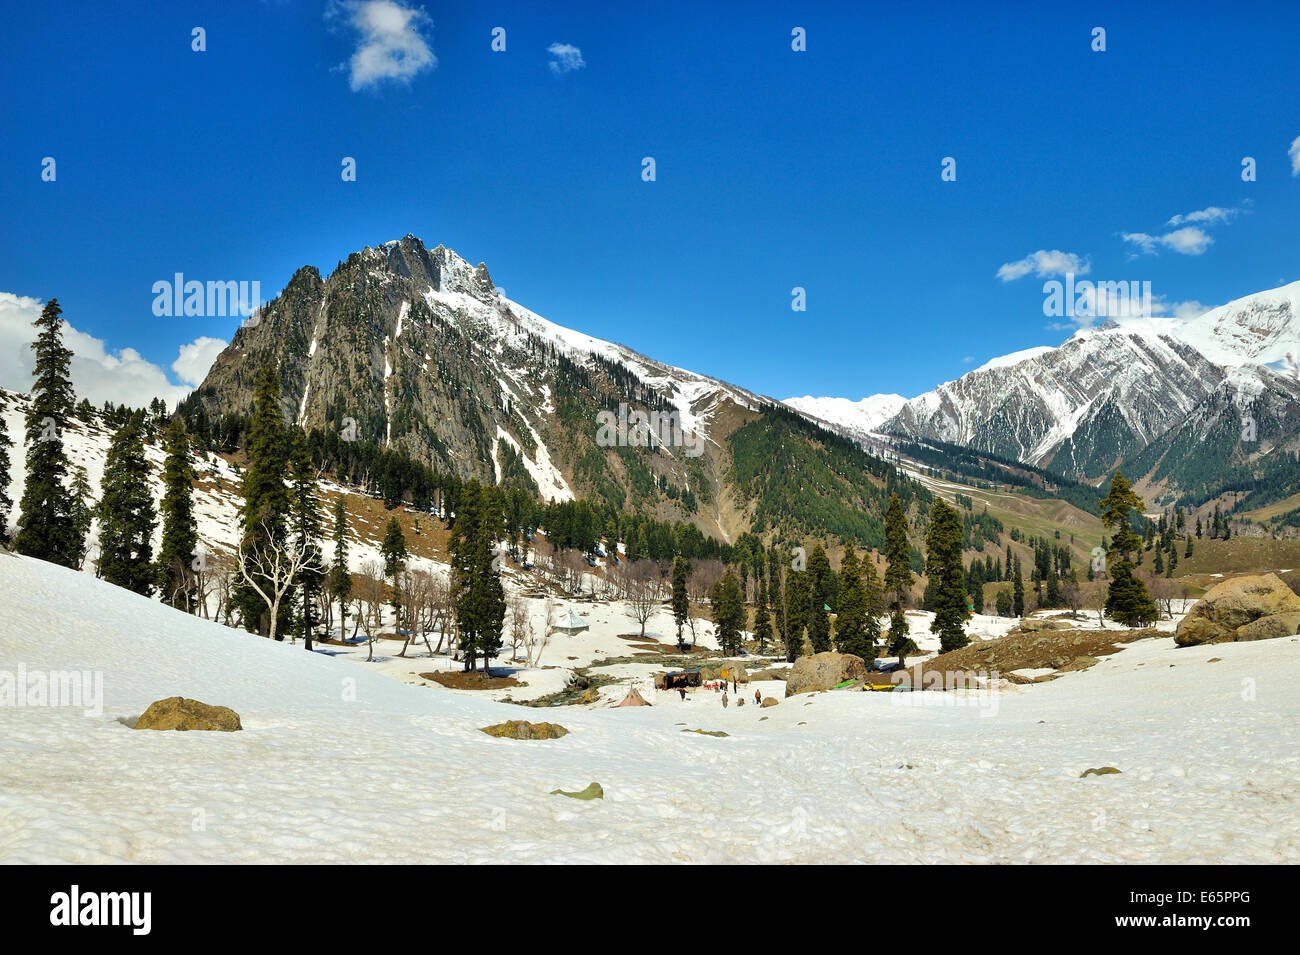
(415, 348)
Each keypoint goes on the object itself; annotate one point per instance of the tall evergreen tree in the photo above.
(340, 579)
(728, 612)
(898, 577)
(944, 565)
(819, 597)
(851, 633)
(1127, 599)
(46, 529)
(126, 513)
(83, 514)
(875, 600)
(1018, 591)
(479, 599)
(762, 616)
(178, 554)
(307, 530)
(681, 599)
(796, 612)
(267, 501)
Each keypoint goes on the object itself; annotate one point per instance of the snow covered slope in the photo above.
(337, 764)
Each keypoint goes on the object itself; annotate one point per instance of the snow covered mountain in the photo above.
(1106, 394)
(859, 417)
(416, 349)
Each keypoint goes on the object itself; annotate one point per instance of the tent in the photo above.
(571, 623)
(634, 698)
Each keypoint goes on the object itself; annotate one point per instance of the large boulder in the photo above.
(724, 671)
(178, 713)
(821, 671)
(1030, 625)
(522, 729)
(1232, 606)
(1267, 628)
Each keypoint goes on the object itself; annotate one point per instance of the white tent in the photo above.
(571, 623)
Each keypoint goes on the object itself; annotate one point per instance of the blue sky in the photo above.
(775, 168)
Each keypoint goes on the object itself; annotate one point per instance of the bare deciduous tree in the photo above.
(272, 569)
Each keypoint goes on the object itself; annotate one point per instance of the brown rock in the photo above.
(522, 729)
(1230, 606)
(821, 671)
(178, 713)
(1270, 627)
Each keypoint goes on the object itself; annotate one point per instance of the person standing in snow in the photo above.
(758, 697)
(724, 699)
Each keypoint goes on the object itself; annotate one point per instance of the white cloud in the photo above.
(1294, 153)
(1209, 215)
(1043, 263)
(98, 374)
(567, 58)
(196, 358)
(1188, 240)
(390, 45)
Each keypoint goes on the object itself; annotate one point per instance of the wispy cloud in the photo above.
(1209, 215)
(1185, 233)
(1188, 240)
(1294, 153)
(566, 58)
(390, 45)
(1042, 264)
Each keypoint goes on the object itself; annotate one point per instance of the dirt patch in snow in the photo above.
(1055, 650)
(472, 680)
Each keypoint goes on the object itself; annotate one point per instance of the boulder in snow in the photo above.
(821, 671)
(178, 713)
(1240, 604)
(522, 729)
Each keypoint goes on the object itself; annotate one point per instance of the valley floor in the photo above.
(339, 763)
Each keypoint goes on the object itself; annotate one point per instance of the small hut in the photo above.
(571, 623)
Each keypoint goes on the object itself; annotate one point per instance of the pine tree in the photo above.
(762, 616)
(267, 503)
(307, 529)
(1018, 591)
(6, 503)
(728, 612)
(1127, 600)
(875, 601)
(796, 612)
(944, 565)
(681, 599)
(898, 578)
(340, 580)
(178, 555)
(851, 634)
(479, 599)
(126, 513)
(819, 621)
(46, 529)
(898, 555)
(83, 514)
